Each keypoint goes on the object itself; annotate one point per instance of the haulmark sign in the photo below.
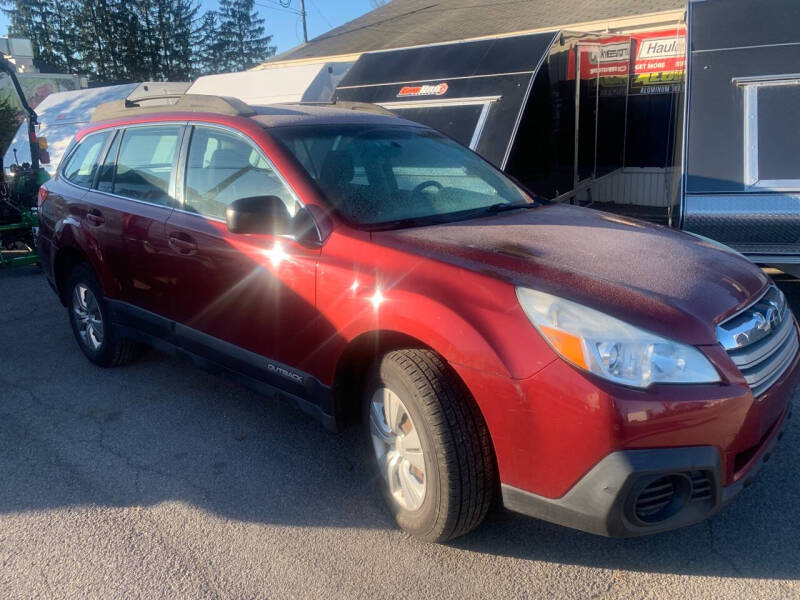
(668, 47)
(655, 61)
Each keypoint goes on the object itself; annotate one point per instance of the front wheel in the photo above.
(430, 445)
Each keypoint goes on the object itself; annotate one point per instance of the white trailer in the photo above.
(62, 114)
(310, 82)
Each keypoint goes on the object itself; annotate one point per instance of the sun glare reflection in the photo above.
(276, 254)
(377, 298)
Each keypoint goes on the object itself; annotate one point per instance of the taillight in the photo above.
(41, 196)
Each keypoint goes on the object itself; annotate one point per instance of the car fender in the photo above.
(68, 233)
(470, 319)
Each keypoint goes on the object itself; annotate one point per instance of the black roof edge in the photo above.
(486, 57)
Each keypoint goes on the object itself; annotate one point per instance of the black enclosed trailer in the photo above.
(742, 169)
(611, 120)
(473, 91)
(568, 114)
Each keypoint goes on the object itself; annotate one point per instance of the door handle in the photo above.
(95, 217)
(182, 243)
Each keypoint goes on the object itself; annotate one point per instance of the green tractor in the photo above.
(19, 186)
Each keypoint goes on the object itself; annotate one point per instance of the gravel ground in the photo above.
(157, 480)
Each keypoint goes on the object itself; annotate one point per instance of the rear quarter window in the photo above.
(82, 163)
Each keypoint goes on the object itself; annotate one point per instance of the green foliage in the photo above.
(207, 45)
(241, 31)
(10, 112)
(9, 122)
(139, 40)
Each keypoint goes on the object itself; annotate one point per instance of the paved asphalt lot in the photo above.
(157, 480)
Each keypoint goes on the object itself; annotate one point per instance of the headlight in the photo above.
(612, 348)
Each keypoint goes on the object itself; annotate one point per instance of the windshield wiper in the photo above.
(404, 223)
(438, 219)
(504, 206)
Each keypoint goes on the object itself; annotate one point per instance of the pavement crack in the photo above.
(138, 466)
(101, 442)
(101, 493)
(8, 384)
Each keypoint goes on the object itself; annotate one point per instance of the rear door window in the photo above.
(82, 163)
(223, 167)
(145, 163)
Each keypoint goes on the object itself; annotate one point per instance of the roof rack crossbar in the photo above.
(120, 109)
(137, 102)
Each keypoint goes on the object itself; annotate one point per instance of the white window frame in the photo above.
(484, 101)
(750, 87)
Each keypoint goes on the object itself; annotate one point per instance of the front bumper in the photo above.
(603, 501)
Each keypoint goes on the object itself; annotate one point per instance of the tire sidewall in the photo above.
(422, 522)
(83, 275)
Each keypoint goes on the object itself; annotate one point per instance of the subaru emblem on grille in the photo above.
(761, 340)
(769, 319)
(774, 317)
(761, 321)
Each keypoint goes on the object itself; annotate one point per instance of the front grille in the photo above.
(761, 340)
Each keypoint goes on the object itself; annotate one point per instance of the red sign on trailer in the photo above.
(654, 60)
(438, 89)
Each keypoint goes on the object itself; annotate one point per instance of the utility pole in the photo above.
(303, 15)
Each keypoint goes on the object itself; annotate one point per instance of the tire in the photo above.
(453, 493)
(91, 321)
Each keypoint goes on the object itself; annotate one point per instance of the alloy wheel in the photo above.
(88, 317)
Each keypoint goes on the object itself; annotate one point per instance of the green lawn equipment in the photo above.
(19, 186)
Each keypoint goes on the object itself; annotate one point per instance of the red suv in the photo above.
(598, 372)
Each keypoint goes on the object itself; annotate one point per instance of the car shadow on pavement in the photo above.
(162, 430)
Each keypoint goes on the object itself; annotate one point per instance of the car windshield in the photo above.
(389, 176)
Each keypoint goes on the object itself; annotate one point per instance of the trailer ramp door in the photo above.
(472, 91)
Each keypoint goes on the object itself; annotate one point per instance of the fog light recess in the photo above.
(661, 498)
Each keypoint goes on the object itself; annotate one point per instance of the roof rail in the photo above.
(120, 109)
(364, 107)
(149, 89)
(349, 105)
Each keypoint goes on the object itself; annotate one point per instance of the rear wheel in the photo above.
(430, 445)
(91, 322)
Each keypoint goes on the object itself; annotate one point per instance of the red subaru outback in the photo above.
(598, 372)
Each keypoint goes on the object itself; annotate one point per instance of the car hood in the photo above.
(662, 280)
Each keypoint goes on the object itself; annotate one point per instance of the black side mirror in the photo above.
(259, 214)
